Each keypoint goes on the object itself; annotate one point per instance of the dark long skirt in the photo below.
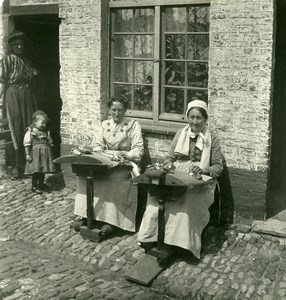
(20, 106)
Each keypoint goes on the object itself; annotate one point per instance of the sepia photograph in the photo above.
(142, 151)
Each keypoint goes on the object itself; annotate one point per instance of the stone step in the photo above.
(271, 226)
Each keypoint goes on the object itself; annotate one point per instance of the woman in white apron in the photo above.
(115, 197)
(194, 150)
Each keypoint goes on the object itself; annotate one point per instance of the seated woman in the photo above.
(196, 150)
(115, 197)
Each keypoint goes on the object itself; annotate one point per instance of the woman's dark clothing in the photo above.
(16, 74)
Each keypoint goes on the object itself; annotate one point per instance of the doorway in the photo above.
(276, 199)
(43, 48)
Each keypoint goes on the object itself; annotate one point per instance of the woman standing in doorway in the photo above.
(16, 74)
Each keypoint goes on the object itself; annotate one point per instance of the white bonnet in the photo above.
(197, 103)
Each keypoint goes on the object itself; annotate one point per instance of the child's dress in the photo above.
(41, 153)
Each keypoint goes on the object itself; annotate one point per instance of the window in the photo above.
(159, 58)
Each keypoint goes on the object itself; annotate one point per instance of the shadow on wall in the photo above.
(222, 210)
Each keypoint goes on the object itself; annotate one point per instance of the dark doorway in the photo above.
(43, 49)
(276, 200)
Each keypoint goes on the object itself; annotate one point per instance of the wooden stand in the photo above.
(90, 166)
(90, 232)
(148, 268)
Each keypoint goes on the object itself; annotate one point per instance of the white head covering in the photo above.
(197, 103)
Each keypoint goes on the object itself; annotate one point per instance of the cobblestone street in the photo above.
(29, 272)
(41, 257)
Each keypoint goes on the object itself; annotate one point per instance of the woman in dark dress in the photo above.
(16, 74)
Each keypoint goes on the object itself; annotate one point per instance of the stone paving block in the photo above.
(17, 295)
(9, 289)
(85, 296)
(68, 295)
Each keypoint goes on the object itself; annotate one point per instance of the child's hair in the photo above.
(39, 114)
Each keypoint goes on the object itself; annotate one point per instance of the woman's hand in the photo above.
(28, 158)
(123, 155)
(198, 170)
(76, 152)
(168, 166)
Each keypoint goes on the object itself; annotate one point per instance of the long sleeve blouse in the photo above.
(126, 136)
(216, 157)
(15, 70)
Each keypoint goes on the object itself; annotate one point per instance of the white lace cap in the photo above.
(197, 103)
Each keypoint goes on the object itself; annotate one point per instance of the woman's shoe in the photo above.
(148, 245)
(166, 254)
(78, 223)
(37, 191)
(44, 187)
(107, 229)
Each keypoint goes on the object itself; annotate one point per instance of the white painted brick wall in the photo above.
(241, 38)
(32, 2)
(80, 48)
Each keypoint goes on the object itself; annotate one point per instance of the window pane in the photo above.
(144, 20)
(198, 74)
(198, 19)
(175, 73)
(175, 46)
(198, 95)
(198, 47)
(143, 71)
(123, 70)
(125, 91)
(175, 20)
(174, 101)
(143, 46)
(143, 98)
(123, 20)
(123, 45)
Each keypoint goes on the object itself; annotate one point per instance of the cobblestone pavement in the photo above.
(41, 257)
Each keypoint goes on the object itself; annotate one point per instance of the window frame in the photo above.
(154, 124)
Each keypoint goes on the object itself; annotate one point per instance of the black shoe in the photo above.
(78, 223)
(37, 191)
(148, 245)
(107, 229)
(166, 254)
(44, 187)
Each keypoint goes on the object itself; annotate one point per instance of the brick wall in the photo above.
(240, 74)
(240, 94)
(3, 19)
(32, 2)
(83, 36)
(240, 79)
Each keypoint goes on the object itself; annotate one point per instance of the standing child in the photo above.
(38, 143)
